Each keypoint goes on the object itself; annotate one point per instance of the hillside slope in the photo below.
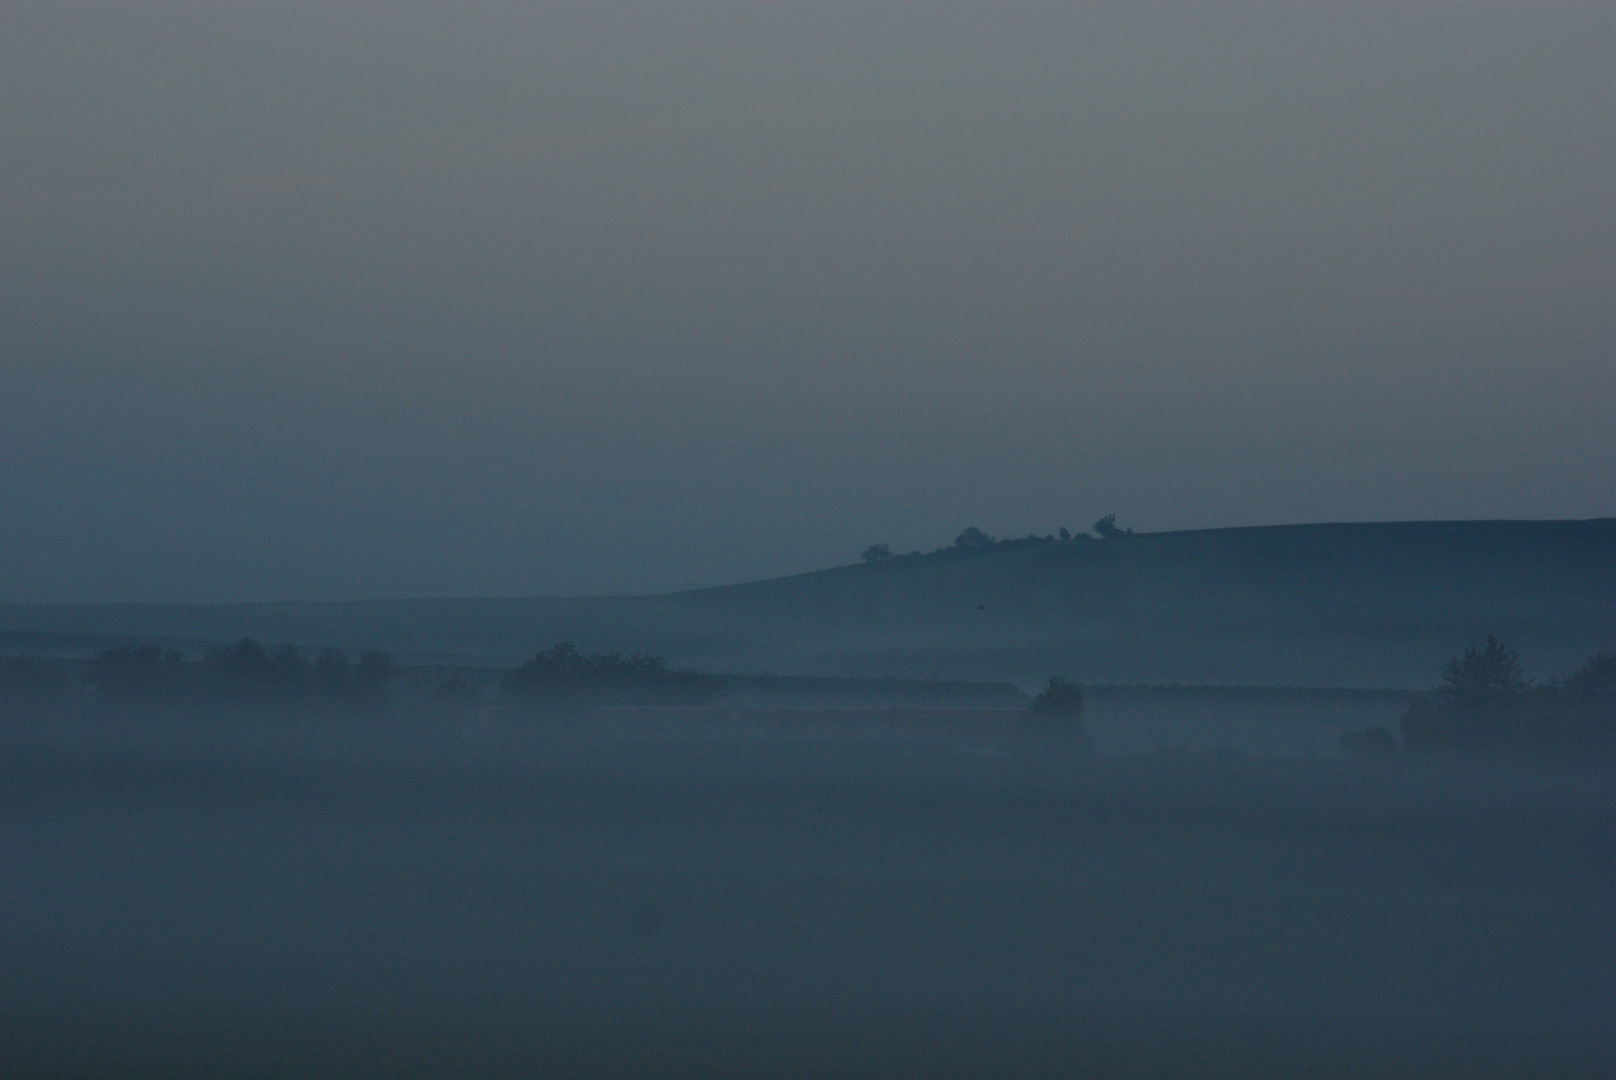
(1332, 604)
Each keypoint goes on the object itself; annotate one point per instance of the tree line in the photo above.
(973, 541)
(245, 675)
(248, 678)
(562, 676)
(1485, 702)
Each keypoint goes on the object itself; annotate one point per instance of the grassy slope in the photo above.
(1352, 604)
(1348, 604)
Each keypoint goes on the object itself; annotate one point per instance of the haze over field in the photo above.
(495, 560)
(1319, 605)
(344, 301)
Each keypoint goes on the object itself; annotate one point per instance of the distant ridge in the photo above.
(1337, 604)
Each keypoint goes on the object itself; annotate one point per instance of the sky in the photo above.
(359, 300)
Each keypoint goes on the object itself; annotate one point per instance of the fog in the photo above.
(346, 301)
(351, 353)
(471, 890)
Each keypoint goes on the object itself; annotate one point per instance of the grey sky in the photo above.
(355, 300)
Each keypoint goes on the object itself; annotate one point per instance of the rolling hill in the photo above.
(1329, 604)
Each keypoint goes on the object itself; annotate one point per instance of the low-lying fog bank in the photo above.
(514, 899)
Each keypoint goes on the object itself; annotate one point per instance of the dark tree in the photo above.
(876, 553)
(1485, 702)
(239, 671)
(972, 540)
(1482, 678)
(1064, 535)
(1587, 705)
(1107, 526)
(1058, 698)
(1059, 705)
(1594, 681)
(561, 676)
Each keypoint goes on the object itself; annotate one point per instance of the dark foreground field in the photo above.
(509, 905)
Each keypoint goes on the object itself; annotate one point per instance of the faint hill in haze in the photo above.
(1333, 604)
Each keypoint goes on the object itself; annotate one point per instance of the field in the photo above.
(521, 901)
(461, 884)
(1370, 605)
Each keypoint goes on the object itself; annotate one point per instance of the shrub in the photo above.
(973, 540)
(562, 676)
(1059, 706)
(1485, 702)
(876, 553)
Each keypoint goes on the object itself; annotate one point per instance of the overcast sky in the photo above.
(367, 300)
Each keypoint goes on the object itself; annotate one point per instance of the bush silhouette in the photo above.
(1485, 702)
(1059, 708)
(972, 540)
(562, 676)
